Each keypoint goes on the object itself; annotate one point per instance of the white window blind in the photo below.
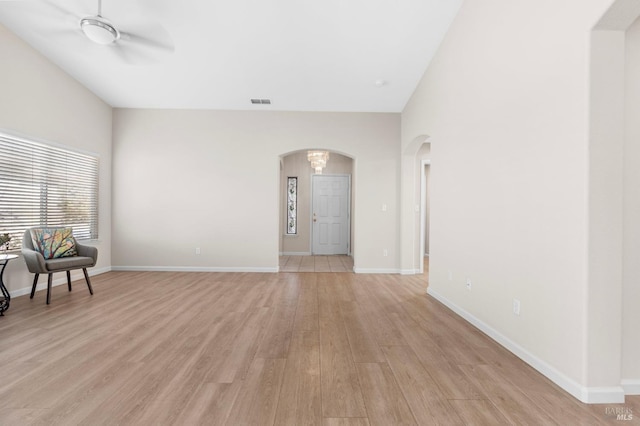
(46, 185)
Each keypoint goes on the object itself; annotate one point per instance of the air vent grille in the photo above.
(261, 101)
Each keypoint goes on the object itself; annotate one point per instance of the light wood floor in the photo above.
(153, 348)
(316, 263)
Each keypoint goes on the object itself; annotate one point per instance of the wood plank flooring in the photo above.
(161, 348)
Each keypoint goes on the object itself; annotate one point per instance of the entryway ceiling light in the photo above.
(318, 160)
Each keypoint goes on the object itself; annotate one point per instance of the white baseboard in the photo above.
(59, 281)
(409, 271)
(375, 271)
(295, 253)
(193, 269)
(601, 395)
(589, 395)
(631, 387)
(229, 269)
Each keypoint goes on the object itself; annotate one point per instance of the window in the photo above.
(292, 205)
(46, 185)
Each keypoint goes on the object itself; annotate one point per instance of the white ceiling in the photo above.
(303, 55)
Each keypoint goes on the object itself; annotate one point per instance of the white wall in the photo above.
(631, 236)
(505, 103)
(211, 179)
(39, 100)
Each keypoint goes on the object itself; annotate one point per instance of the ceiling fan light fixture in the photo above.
(99, 30)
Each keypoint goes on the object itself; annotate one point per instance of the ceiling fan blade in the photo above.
(149, 42)
(165, 44)
(137, 55)
(61, 11)
(122, 55)
(53, 21)
(59, 32)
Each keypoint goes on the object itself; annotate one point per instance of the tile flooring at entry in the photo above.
(337, 263)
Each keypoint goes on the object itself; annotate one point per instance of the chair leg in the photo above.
(86, 277)
(69, 280)
(49, 280)
(35, 283)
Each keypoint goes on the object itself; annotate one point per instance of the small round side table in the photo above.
(6, 297)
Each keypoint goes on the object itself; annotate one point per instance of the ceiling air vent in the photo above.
(261, 101)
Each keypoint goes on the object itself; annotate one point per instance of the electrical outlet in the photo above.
(468, 283)
(450, 276)
(516, 307)
(385, 252)
(197, 250)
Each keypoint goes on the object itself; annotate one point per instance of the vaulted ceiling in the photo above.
(302, 55)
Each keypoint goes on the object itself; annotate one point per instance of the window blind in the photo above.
(46, 185)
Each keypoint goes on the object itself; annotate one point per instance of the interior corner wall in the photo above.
(408, 237)
(186, 179)
(605, 207)
(424, 154)
(631, 214)
(505, 103)
(427, 206)
(41, 101)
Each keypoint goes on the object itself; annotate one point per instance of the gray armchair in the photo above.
(37, 264)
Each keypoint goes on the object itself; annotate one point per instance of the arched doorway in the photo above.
(414, 204)
(297, 175)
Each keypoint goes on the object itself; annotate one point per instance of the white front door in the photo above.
(330, 214)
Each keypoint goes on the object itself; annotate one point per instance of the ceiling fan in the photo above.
(136, 41)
